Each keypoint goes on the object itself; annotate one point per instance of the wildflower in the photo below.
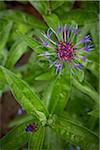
(31, 127)
(63, 47)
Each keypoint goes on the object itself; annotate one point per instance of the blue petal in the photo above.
(84, 58)
(59, 29)
(85, 39)
(78, 66)
(86, 48)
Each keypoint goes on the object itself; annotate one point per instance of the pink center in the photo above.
(65, 51)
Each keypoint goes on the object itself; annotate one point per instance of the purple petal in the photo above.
(57, 65)
(78, 66)
(48, 34)
(49, 39)
(18, 65)
(59, 29)
(85, 39)
(45, 43)
(84, 58)
(76, 31)
(31, 127)
(67, 28)
(86, 48)
(45, 54)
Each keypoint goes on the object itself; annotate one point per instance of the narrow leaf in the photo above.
(14, 139)
(21, 17)
(52, 21)
(45, 76)
(76, 133)
(20, 120)
(16, 51)
(36, 139)
(35, 45)
(95, 112)
(79, 16)
(52, 140)
(56, 4)
(42, 6)
(4, 35)
(24, 94)
(87, 90)
(58, 93)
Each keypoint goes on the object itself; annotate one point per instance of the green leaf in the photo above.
(57, 94)
(81, 17)
(52, 21)
(45, 76)
(14, 139)
(94, 30)
(65, 8)
(52, 140)
(16, 51)
(35, 45)
(2, 83)
(21, 17)
(42, 6)
(94, 67)
(56, 4)
(95, 112)
(84, 31)
(36, 139)
(20, 120)
(90, 6)
(4, 35)
(86, 89)
(76, 133)
(24, 94)
(3, 56)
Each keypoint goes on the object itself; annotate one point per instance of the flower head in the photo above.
(65, 48)
(31, 127)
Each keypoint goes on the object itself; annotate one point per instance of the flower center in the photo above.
(65, 51)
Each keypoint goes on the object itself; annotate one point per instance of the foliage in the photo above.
(64, 107)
